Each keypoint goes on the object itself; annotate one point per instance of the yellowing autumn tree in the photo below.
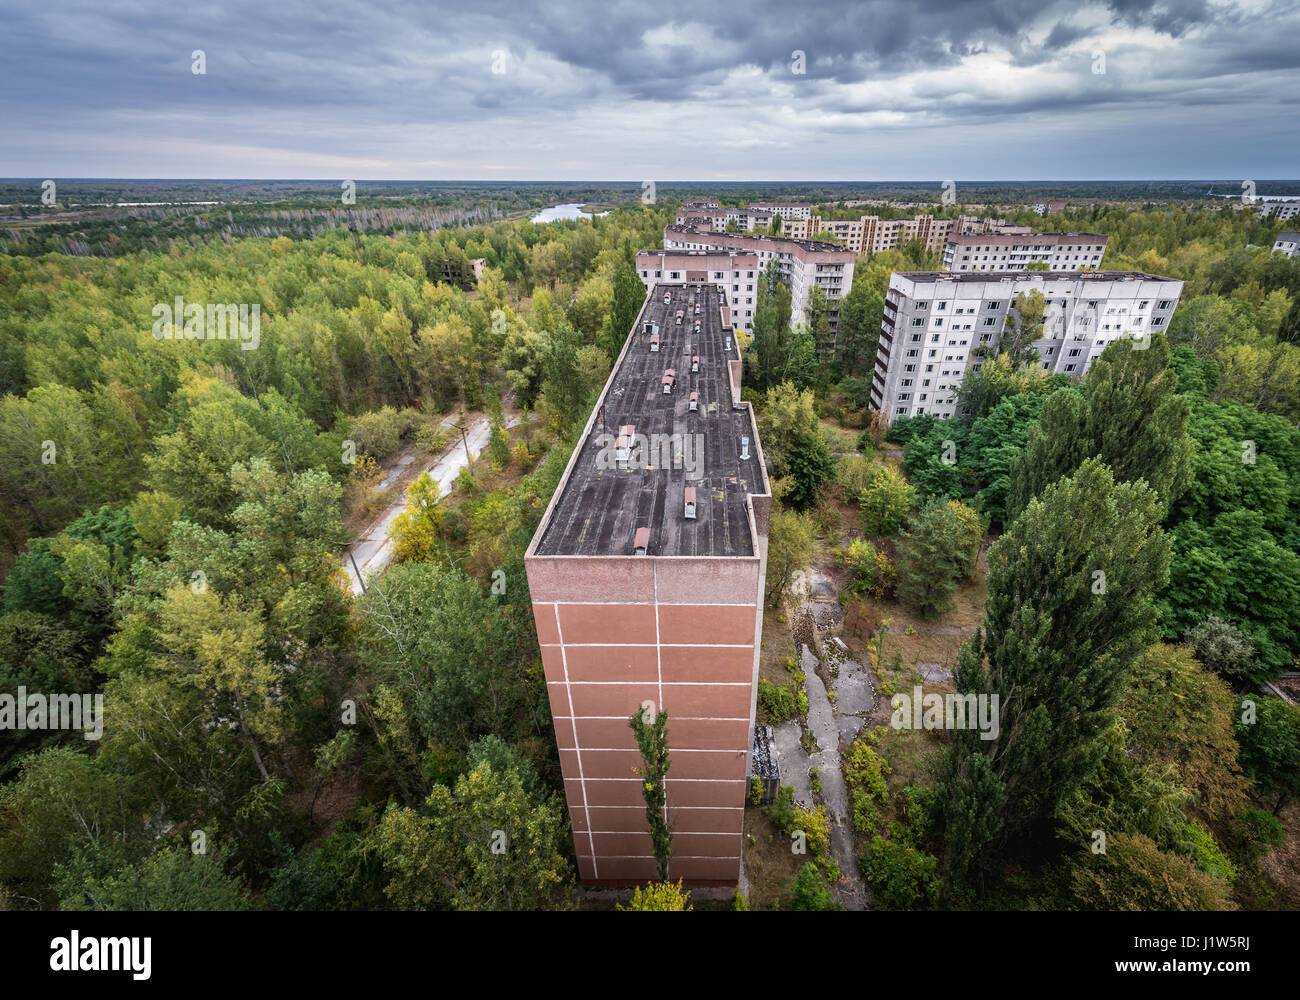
(416, 530)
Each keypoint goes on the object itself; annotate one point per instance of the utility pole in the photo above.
(357, 569)
(464, 440)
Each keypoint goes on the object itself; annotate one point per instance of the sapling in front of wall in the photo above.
(652, 740)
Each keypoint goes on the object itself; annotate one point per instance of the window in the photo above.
(918, 322)
(990, 321)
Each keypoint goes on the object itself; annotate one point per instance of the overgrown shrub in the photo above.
(778, 701)
(1223, 648)
(378, 433)
(659, 897)
(811, 891)
(901, 876)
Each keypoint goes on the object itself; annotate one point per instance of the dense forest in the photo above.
(174, 513)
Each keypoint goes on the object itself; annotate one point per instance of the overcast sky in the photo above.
(697, 90)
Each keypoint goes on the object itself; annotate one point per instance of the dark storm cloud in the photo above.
(412, 83)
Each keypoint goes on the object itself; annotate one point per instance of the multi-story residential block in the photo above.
(760, 215)
(871, 234)
(1279, 207)
(797, 229)
(786, 209)
(646, 576)
(734, 271)
(803, 263)
(937, 326)
(1288, 242)
(1060, 251)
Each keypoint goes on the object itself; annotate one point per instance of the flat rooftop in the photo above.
(817, 245)
(600, 506)
(971, 277)
(696, 253)
(1022, 237)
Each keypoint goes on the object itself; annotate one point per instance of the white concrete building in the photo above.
(735, 272)
(1060, 251)
(938, 326)
(786, 209)
(1280, 207)
(802, 263)
(1288, 242)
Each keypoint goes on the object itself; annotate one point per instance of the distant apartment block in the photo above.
(1288, 242)
(647, 576)
(1279, 208)
(803, 263)
(786, 209)
(734, 271)
(760, 215)
(1060, 251)
(871, 234)
(938, 326)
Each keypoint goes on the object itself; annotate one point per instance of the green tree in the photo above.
(789, 550)
(885, 502)
(1134, 874)
(1129, 416)
(652, 740)
(1069, 609)
(934, 554)
(1023, 326)
(450, 652)
(487, 845)
(811, 891)
(173, 879)
(858, 332)
(1268, 730)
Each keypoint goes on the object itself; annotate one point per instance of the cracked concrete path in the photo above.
(824, 727)
(373, 549)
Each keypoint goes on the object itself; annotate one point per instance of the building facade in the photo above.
(1060, 251)
(1288, 242)
(647, 575)
(871, 234)
(1279, 208)
(803, 263)
(734, 271)
(938, 326)
(786, 209)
